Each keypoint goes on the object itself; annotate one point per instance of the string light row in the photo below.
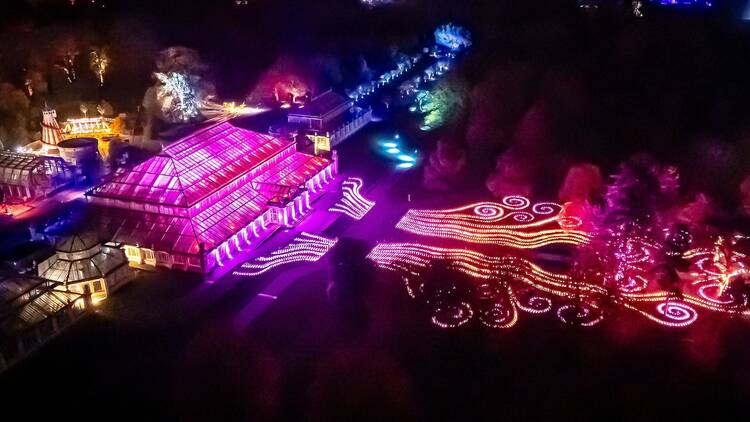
(352, 203)
(514, 222)
(718, 265)
(305, 247)
(582, 299)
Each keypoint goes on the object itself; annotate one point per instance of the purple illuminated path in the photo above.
(319, 223)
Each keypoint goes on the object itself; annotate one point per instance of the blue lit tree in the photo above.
(453, 37)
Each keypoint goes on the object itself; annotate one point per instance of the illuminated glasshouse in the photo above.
(33, 311)
(25, 177)
(82, 265)
(208, 196)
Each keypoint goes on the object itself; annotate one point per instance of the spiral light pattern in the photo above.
(495, 301)
(513, 222)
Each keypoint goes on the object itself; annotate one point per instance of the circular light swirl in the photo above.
(569, 222)
(448, 315)
(513, 222)
(515, 202)
(499, 315)
(489, 211)
(716, 297)
(584, 314)
(546, 208)
(523, 216)
(536, 305)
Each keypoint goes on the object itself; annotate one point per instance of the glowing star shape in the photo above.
(514, 222)
(352, 202)
(304, 248)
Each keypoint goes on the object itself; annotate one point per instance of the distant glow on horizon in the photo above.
(378, 3)
(352, 202)
(684, 3)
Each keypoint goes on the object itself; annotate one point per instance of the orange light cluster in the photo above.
(514, 222)
(717, 266)
(582, 301)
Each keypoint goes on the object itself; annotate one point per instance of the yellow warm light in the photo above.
(92, 126)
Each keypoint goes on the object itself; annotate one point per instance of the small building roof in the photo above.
(192, 168)
(60, 269)
(323, 104)
(25, 301)
(77, 243)
(15, 286)
(12, 164)
(21, 161)
(78, 143)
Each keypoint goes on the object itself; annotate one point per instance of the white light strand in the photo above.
(352, 203)
(304, 248)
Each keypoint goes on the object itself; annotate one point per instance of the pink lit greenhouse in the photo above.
(208, 196)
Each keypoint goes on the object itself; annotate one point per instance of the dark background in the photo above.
(673, 84)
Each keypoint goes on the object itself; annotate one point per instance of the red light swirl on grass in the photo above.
(495, 298)
(513, 222)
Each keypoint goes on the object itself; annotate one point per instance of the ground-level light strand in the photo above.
(304, 248)
(352, 203)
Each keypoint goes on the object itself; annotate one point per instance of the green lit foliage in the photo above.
(444, 104)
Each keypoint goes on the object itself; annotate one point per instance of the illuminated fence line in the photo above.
(352, 202)
(499, 276)
(304, 248)
(514, 222)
